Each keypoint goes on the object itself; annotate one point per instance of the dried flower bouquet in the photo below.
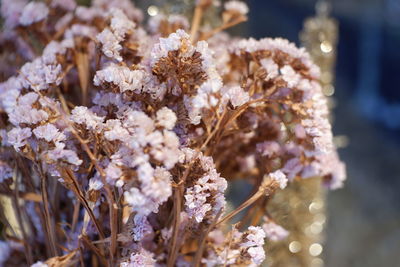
(118, 140)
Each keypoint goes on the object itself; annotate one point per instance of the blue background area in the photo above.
(364, 217)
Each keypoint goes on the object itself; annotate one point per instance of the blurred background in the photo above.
(363, 226)
(363, 218)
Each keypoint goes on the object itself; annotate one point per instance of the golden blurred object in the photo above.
(304, 214)
(320, 36)
(300, 209)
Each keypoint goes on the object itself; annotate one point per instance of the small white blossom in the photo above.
(82, 115)
(271, 67)
(120, 24)
(236, 95)
(290, 76)
(17, 137)
(59, 153)
(257, 255)
(273, 231)
(123, 77)
(255, 237)
(280, 177)
(49, 133)
(166, 118)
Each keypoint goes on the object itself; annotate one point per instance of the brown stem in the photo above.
(109, 193)
(198, 14)
(223, 27)
(73, 185)
(267, 188)
(49, 223)
(177, 213)
(199, 252)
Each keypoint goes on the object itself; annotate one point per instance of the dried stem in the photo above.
(178, 195)
(199, 252)
(266, 188)
(47, 213)
(198, 14)
(223, 27)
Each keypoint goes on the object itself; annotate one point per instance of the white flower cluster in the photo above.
(273, 231)
(206, 197)
(110, 38)
(139, 125)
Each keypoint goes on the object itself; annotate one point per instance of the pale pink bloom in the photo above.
(271, 67)
(280, 177)
(28, 115)
(95, 184)
(110, 44)
(59, 153)
(166, 118)
(40, 75)
(82, 115)
(139, 119)
(105, 99)
(206, 196)
(113, 130)
(159, 188)
(290, 76)
(273, 231)
(172, 43)
(33, 12)
(236, 95)
(120, 24)
(139, 202)
(17, 137)
(9, 93)
(51, 50)
(113, 173)
(257, 255)
(123, 77)
(166, 149)
(237, 6)
(49, 133)
(255, 236)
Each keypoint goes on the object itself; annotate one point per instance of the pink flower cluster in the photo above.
(126, 131)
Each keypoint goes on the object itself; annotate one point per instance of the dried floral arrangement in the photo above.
(119, 139)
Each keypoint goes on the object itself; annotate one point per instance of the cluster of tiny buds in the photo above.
(117, 138)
